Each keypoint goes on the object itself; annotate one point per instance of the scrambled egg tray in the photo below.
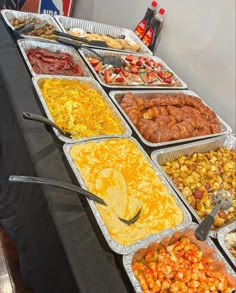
(79, 109)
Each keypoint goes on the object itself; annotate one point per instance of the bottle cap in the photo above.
(162, 11)
(154, 3)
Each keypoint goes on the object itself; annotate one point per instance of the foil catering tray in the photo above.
(67, 23)
(127, 259)
(85, 53)
(116, 97)
(221, 238)
(10, 14)
(161, 157)
(114, 245)
(28, 44)
(39, 79)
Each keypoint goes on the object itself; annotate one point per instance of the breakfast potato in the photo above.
(198, 176)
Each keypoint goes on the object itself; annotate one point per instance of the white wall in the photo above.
(198, 43)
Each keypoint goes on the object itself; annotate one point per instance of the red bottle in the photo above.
(150, 38)
(143, 26)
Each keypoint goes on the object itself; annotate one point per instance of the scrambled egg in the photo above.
(117, 171)
(78, 109)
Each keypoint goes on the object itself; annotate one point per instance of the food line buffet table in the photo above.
(60, 245)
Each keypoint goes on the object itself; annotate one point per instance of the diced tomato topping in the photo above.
(160, 74)
(129, 58)
(125, 73)
(107, 76)
(148, 63)
(167, 74)
(93, 61)
(139, 63)
(117, 70)
(134, 70)
(119, 79)
(157, 64)
(167, 80)
(142, 58)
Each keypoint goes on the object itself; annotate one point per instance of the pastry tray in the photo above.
(127, 259)
(115, 246)
(67, 23)
(221, 238)
(39, 79)
(28, 44)
(160, 157)
(9, 14)
(85, 53)
(116, 97)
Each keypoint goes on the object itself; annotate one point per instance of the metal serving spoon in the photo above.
(110, 60)
(223, 201)
(39, 118)
(69, 186)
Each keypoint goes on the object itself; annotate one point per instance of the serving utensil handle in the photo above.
(56, 183)
(65, 35)
(39, 118)
(204, 227)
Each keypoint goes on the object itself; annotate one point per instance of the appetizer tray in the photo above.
(127, 259)
(28, 44)
(161, 157)
(39, 79)
(116, 97)
(221, 238)
(114, 245)
(67, 23)
(8, 15)
(132, 84)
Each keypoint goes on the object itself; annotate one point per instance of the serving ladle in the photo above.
(69, 186)
(42, 119)
(223, 201)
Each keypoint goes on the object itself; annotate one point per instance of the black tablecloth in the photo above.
(60, 246)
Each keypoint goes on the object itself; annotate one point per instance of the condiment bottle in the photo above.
(150, 38)
(143, 26)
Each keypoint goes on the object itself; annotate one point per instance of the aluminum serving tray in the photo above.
(85, 53)
(127, 259)
(116, 97)
(9, 14)
(161, 157)
(39, 79)
(28, 44)
(66, 23)
(221, 238)
(115, 246)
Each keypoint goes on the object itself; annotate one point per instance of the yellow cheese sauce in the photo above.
(117, 171)
(78, 109)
